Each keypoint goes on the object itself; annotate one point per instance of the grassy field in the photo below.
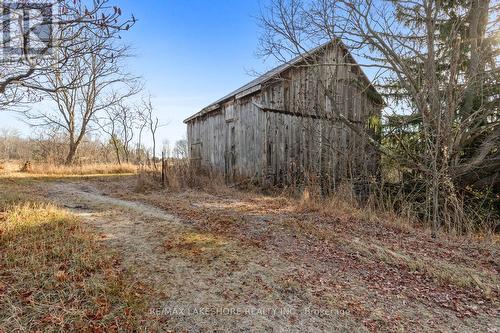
(100, 253)
(13, 169)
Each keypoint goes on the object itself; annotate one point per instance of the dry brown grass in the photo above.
(15, 169)
(199, 247)
(147, 180)
(343, 203)
(85, 169)
(179, 175)
(439, 270)
(257, 249)
(56, 276)
(9, 166)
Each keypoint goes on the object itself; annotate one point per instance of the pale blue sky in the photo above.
(189, 52)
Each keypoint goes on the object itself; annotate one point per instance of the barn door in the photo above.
(195, 159)
(230, 154)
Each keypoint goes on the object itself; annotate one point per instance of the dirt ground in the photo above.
(233, 261)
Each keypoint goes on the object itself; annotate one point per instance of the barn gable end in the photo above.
(280, 128)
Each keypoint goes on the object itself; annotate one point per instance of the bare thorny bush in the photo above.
(179, 175)
(434, 62)
(403, 201)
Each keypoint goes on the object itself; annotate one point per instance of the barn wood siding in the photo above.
(284, 132)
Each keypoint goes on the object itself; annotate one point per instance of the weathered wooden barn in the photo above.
(285, 126)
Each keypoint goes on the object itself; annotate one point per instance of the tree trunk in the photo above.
(139, 144)
(117, 151)
(478, 20)
(70, 158)
(154, 151)
(127, 154)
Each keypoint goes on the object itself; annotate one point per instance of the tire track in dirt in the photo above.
(222, 276)
(381, 295)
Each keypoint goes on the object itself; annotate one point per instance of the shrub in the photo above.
(179, 174)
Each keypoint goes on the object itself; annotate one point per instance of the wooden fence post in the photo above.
(163, 175)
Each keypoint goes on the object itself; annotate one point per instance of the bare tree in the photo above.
(141, 125)
(128, 123)
(151, 121)
(180, 150)
(11, 146)
(111, 128)
(415, 50)
(120, 123)
(100, 83)
(166, 149)
(61, 24)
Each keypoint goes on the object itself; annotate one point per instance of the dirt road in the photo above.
(219, 263)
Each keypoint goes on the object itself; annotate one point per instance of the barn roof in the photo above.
(255, 85)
